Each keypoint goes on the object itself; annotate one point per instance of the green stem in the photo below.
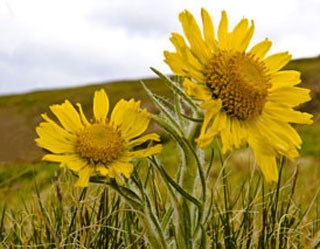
(155, 233)
(188, 179)
(190, 169)
(142, 204)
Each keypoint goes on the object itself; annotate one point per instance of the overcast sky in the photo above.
(61, 43)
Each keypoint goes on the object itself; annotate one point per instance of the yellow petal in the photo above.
(54, 146)
(225, 135)
(281, 133)
(290, 96)
(261, 49)
(283, 113)
(265, 158)
(82, 116)
(268, 166)
(117, 113)
(124, 168)
(206, 137)
(288, 135)
(277, 61)
(238, 133)
(184, 54)
(68, 116)
(145, 152)
(57, 129)
(185, 66)
(52, 141)
(211, 104)
(138, 124)
(178, 42)
(119, 179)
(58, 158)
(76, 165)
(247, 38)
(241, 35)
(285, 78)
(102, 169)
(73, 162)
(196, 75)
(175, 62)
(112, 173)
(84, 176)
(193, 34)
(143, 139)
(208, 30)
(197, 91)
(100, 106)
(193, 61)
(127, 117)
(220, 122)
(281, 136)
(47, 130)
(212, 107)
(223, 34)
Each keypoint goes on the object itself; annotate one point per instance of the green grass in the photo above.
(311, 140)
(17, 181)
(245, 214)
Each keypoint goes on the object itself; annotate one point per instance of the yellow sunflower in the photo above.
(103, 146)
(245, 96)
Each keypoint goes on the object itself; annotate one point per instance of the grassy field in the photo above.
(23, 176)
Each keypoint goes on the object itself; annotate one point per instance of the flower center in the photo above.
(99, 143)
(240, 81)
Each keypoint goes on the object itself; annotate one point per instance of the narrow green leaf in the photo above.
(2, 228)
(164, 107)
(175, 89)
(197, 120)
(166, 219)
(178, 187)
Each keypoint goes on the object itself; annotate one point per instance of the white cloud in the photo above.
(56, 43)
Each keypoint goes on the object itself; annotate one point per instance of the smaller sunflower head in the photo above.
(104, 146)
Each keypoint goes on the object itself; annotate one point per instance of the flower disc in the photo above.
(240, 81)
(99, 143)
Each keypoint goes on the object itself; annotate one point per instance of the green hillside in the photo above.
(19, 114)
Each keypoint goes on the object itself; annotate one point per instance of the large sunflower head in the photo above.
(104, 146)
(244, 95)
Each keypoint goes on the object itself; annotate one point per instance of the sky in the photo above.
(46, 44)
